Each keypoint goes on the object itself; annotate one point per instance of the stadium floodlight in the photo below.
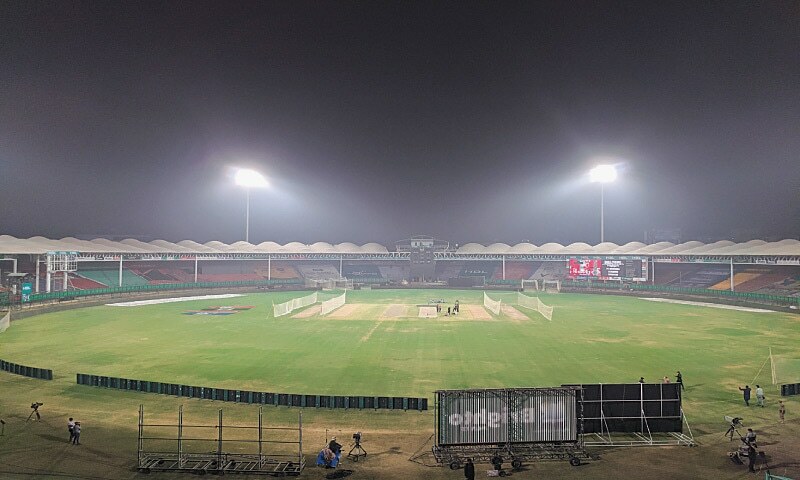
(603, 174)
(249, 179)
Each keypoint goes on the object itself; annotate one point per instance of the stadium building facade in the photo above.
(70, 264)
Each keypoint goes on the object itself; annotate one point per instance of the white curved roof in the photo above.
(40, 245)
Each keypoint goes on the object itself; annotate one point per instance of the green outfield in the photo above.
(377, 344)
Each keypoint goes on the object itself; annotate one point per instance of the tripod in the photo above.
(357, 451)
(34, 412)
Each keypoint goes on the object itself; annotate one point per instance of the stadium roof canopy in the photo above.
(40, 245)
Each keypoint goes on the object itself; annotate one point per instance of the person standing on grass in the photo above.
(782, 411)
(666, 379)
(679, 379)
(71, 429)
(76, 434)
(751, 458)
(760, 396)
(641, 379)
(746, 394)
(469, 470)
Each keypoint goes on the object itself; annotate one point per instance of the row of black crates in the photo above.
(33, 372)
(262, 398)
(790, 389)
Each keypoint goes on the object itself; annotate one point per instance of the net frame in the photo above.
(285, 308)
(529, 282)
(555, 284)
(330, 305)
(492, 305)
(535, 303)
(5, 322)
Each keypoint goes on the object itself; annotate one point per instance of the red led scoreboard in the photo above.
(631, 269)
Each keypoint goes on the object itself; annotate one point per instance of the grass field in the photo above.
(592, 339)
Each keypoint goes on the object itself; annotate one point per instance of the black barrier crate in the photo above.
(104, 382)
(208, 393)
(790, 389)
(270, 398)
(339, 402)
(413, 404)
(398, 403)
(383, 402)
(113, 382)
(296, 400)
(423, 404)
(325, 401)
(218, 394)
(368, 402)
(283, 399)
(355, 402)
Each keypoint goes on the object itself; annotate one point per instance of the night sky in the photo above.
(468, 121)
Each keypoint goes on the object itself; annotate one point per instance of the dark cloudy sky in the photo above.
(470, 121)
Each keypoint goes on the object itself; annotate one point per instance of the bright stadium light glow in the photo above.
(250, 179)
(603, 174)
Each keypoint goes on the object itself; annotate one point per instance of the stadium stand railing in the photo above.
(751, 297)
(61, 295)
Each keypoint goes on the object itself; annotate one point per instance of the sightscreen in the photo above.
(499, 416)
(636, 407)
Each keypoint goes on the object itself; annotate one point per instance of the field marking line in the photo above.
(157, 301)
(711, 305)
(371, 330)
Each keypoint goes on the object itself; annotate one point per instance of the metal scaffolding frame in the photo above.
(219, 461)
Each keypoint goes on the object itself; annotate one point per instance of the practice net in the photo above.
(535, 304)
(286, 308)
(5, 322)
(493, 306)
(330, 305)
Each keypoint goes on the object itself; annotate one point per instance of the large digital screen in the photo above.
(633, 269)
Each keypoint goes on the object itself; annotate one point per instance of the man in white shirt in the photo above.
(71, 428)
(760, 396)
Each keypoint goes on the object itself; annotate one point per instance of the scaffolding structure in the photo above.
(220, 460)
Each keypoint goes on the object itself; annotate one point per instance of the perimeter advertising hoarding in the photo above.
(499, 416)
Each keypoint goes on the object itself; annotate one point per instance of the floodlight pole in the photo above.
(602, 213)
(247, 216)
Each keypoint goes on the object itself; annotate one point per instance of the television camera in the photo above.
(35, 410)
(357, 450)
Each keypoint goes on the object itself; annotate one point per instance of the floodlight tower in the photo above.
(603, 174)
(249, 179)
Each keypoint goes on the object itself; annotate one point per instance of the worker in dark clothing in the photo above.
(335, 447)
(469, 470)
(746, 394)
(679, 379)
(497, 462)
(751, 458)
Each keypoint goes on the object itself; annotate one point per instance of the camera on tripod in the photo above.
(357, 451)
(36, 405)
